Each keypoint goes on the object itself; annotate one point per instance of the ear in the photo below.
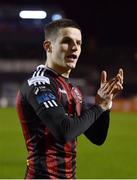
(47, 45)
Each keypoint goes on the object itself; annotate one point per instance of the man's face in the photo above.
(66, 48)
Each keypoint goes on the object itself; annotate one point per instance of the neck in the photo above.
(60, 70)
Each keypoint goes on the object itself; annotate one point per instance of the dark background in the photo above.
(109, 29)
(111, 22)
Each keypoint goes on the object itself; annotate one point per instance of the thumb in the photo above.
(103, 77)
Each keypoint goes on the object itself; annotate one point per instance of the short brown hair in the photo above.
(52, 28)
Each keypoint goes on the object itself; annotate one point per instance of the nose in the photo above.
(74, 47)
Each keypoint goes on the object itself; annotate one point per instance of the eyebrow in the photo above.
(69, 38)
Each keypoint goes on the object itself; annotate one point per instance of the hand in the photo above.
(109, 89)
(119, 85)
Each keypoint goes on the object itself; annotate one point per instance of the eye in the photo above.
(79, 43)
(69, 41)
(66, 40)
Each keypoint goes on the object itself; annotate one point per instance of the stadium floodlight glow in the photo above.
(29, 14)
(56, 17)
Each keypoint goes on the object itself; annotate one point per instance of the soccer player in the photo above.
(52, 111)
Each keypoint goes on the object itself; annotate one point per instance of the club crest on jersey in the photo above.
(76, 94)
(77, 98)
(62, 91)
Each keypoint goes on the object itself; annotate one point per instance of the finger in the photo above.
(119, 86)
(112, 90)
(103, 77)
(120, 79)
(121, 74)
(116, 89)
(110, 84)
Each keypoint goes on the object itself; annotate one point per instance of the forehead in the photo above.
(73, 33)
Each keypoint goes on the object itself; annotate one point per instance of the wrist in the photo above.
(106, 107)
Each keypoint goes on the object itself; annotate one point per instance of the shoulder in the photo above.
(39, 77)
(39, 80)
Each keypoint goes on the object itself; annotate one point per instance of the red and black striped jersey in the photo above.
(53, 115)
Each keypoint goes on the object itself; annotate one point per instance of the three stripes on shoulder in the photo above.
(38, 77)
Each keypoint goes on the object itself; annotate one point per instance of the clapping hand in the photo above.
(109, 89)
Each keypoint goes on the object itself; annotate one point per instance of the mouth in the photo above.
(72, 57)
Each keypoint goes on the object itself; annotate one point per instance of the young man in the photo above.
(52, 112)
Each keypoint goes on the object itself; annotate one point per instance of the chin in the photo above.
(71, 66)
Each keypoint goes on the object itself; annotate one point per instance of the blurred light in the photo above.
(3, 102)
(33, 14)
(56, 17)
